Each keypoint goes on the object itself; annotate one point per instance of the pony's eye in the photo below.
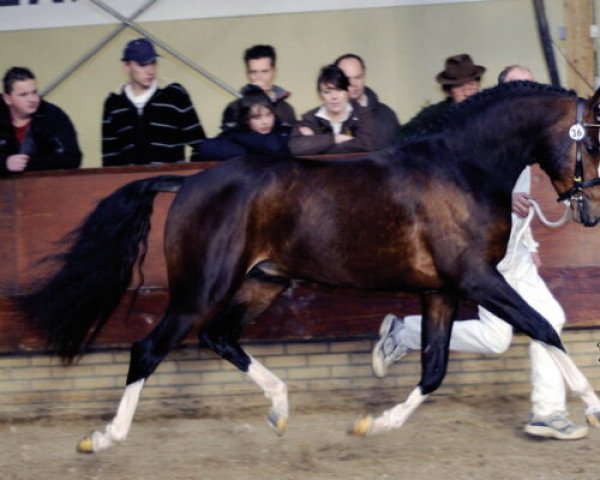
(592, 149)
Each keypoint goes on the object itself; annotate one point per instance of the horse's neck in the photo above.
(504, 143)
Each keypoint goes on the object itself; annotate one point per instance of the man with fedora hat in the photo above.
(460, 79)
(143, 123)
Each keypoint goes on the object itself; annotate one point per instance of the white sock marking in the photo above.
(117, 430)
(397, 416)
(275, 389)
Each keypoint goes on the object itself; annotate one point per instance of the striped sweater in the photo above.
(158, 133)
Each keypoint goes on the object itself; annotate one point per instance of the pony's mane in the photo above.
(459, 113)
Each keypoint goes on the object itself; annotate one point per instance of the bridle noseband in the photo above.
(577, 133)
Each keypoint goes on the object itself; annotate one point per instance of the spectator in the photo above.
(34, 134)
(261, 70)
(144, 123)
(460, 79)
(515, 72)
(385, 122)
(257, 131)
(338, 125)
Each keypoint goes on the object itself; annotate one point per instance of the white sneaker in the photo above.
(388, 348)
(556, 425)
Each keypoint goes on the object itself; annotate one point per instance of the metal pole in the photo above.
(190, 63)
(84, 58)
(546, 40)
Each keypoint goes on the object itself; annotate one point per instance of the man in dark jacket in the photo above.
(460, 79)
(260, 61)
(34, 134)
(144, 123)
(385, 122)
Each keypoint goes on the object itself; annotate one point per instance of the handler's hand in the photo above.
(520, 203)
(17, 162)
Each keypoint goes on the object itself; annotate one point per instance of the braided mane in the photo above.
(463, 111)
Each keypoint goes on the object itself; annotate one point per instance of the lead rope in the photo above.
(558, 223)
(536, 210)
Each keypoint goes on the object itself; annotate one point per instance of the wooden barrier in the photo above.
(38, 208)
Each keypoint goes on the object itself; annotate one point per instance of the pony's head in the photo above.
(578, 181)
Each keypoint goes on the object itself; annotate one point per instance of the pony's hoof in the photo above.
(362, 425)
(278, 423)
(593, 419)
(85, 445)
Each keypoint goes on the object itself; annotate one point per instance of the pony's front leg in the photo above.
(439, 311)
(275, 390)
(117, 430)
(577, 382)
(390, 419)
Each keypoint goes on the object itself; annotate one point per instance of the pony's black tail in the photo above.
(72, 306)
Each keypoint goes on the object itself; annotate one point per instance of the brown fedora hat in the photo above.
(459, 69)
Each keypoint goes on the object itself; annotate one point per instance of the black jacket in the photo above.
(385, 122)
(159, 133)
(51, 141)
(236, 142)
(424, 119)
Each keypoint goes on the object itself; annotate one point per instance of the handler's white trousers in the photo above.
(490, 334)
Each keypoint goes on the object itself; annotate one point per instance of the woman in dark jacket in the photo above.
(337, 126)
(259, 132)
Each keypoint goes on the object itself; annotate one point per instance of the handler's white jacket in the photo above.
(521, 243)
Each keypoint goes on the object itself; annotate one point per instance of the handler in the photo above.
(490, 334)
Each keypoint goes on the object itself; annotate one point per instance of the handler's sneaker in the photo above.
(556, 425)
(388, 348)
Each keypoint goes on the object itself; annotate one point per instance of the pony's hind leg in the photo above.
(146, 355)
(439, 312)
(117, 430)
(259, 289)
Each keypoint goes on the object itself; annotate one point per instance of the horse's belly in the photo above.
(388, 275)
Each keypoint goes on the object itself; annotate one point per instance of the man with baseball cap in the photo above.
(143, 123)
(460, 79)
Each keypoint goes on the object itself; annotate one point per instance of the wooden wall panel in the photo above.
(38, 209)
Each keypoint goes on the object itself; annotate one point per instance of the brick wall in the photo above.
(192, 381)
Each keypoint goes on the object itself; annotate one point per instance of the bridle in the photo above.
(577, 133)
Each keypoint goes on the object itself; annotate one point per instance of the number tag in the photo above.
(577, 132)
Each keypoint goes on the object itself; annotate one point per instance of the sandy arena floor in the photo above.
(456, 438)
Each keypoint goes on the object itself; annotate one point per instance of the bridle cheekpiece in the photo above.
(577, 133)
